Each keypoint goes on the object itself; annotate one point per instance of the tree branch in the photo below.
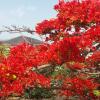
(17, 29)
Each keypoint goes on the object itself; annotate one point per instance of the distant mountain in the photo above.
(8, 36)
(22, 39)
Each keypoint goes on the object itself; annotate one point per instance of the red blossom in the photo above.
(20, 69)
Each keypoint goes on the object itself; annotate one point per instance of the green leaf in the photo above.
(96, 92)
(4, 50)
(68, 71)
(93, 76)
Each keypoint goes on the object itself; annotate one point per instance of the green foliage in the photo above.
(96, 93)
(4, 50)
(61, 70)
(38, 92)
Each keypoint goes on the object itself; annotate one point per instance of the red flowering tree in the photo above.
(67, 65)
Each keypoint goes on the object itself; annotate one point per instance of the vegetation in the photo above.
(66, 66)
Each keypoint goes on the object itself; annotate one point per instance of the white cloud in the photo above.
(31, 8)
(2, 15)
(16, 13)
(20, 12)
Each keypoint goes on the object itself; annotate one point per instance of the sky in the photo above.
(25, 12)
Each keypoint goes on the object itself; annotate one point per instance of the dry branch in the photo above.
(17, 29)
